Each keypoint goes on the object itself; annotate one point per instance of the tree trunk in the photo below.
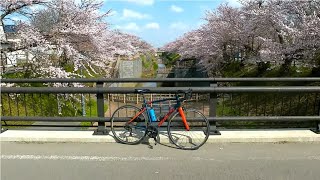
(3, 36)
(285, 67)
(225, 55)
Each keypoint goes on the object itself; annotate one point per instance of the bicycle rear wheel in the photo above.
(128, 133)
(195, 137)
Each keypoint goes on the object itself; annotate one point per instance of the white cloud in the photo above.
(152, 26)
(117, 27)
(113, 13)
(130, 14)
(233, 3)
(175, 8)
(36, 8)
(131, 27)
(178, 26)
(142, 2)
(77, 1)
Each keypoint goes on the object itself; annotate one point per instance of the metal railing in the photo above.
(232, 102)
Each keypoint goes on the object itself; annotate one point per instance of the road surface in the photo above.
(55, 161)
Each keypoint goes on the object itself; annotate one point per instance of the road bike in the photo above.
(186, 128)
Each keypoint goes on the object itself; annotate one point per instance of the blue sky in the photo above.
(156, 21)
(159, 21)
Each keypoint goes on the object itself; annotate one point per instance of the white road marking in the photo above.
(81, 158)
(130, 158)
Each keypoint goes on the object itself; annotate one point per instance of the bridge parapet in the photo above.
(299, 104)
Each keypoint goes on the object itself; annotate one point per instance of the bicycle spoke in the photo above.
(197, 134)
(128, 133)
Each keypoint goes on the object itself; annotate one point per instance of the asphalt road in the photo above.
(53, 161)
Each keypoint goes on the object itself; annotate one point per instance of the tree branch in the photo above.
(13, 9)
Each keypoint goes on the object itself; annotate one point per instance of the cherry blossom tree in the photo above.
(215, 42)
(66, 38)
(260, 30)
(8, 7)
(287, 31)
(69, 30)
(66, 32)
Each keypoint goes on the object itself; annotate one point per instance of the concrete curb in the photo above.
(227, 136)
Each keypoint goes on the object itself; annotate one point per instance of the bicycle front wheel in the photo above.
(189, 139)
(129, 133)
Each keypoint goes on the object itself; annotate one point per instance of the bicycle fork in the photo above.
(184, 120)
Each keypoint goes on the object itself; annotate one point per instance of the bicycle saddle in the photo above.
(141, 90)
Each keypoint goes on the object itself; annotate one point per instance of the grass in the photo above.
(269, 104)
(91, 111)
(42, 105)
(149, 65)
(16, 124)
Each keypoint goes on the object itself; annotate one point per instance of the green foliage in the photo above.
(234, 69)
(68, 67)
(16, 124)
(44, 105)
(17, 74)
(170, 59)
(87, 70)
(33, 105)
(149, 65)
(91, 110)
(155, 66)
(267, 104)
(263, 69)
(37, 105)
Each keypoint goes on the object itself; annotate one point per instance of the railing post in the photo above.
(317, 130)
(137, 99)
(2, 130)
(213, 110)
(318, 127)
(100, 109)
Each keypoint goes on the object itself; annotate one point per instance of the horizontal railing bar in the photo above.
(265, 118)
(123, 80)
(119, 90)
(107, 119)
(31, 125)
(54, 119)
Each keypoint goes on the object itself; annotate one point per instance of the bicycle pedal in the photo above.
(155, 141)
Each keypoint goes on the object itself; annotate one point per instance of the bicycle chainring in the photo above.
(152, 131)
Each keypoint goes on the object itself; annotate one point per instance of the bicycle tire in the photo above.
(139, 125)
(195, 137)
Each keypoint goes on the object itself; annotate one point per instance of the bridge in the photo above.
(231, 104)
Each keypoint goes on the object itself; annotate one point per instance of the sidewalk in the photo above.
(54, 128)
(227, 136)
